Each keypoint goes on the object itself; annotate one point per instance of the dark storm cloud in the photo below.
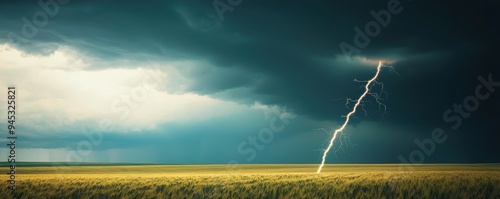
(276, 41)
(287, 53)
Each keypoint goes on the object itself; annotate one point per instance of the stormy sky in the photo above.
(187, 82)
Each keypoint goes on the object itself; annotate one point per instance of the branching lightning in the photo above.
(359, 102)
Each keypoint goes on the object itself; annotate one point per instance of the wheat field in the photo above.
(257, 181)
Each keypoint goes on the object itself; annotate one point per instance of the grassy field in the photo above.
(255, 181)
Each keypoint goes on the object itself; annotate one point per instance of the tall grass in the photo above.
(203, 182)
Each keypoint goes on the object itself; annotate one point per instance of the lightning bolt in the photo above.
(348, 116)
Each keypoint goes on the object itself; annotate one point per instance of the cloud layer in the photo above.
(163, 67)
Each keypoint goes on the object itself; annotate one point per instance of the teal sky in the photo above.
(263, 82)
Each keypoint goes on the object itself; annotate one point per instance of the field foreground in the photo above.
(256, 181)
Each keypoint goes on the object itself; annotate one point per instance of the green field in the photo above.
(255, 181)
